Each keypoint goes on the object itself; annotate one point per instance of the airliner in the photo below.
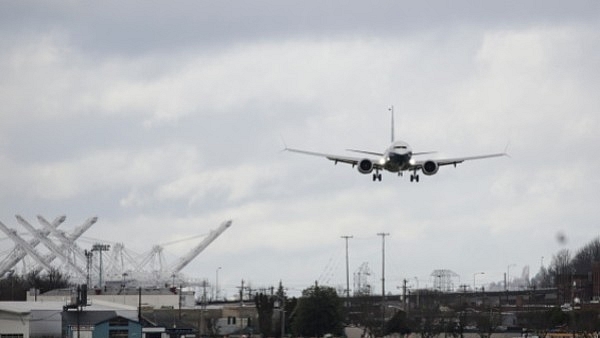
(397, 158)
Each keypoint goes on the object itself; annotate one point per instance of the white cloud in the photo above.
(237, 183)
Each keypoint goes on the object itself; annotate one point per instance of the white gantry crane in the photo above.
(68, 242)
(31, 251)
(23, 248)
(185, 260)
(61, 245)
(54, 249)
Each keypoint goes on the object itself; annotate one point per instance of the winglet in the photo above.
(506, 149)
(392, 110)
(285, 147)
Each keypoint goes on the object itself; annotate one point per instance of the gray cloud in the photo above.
(141, 27)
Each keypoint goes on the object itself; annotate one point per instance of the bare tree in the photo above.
(427, 321)
(542, 321)
(582, 262)
(487, 322)
(562, 271)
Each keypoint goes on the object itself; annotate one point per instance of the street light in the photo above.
(417, 290)
(508, 276)
(475, 274)
(100, 248)
(217, 284)
(542, 262)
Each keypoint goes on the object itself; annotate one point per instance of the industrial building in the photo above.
(100, 318)
(50, 319)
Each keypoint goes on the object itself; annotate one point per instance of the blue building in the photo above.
(102, 322)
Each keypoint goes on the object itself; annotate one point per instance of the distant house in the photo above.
(168, 323)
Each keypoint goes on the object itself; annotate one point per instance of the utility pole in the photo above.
(383, 262)
(202, 326)
(180, 291)
(383, 302)
(242, 287)
(347, 272)
(140, 304)
(405, 301)
(282, 308)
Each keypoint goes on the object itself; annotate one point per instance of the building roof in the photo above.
(27, 307)
(96, 317)
(166, 318)
(118, 291)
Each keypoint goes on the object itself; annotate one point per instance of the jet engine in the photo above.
(430, 167)
(365, 166)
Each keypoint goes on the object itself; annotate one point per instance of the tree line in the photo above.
(565, 263)
(321, 311)
(317, 312)
(14, 287)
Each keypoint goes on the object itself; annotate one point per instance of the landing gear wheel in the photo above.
(376, 177)
(414, 177)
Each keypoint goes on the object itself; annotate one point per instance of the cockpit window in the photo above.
(400, 147)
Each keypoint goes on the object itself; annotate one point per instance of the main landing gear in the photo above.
(414, 177)
(377, 176)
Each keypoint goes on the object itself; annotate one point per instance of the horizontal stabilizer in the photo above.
(424, 152)
(365, 152)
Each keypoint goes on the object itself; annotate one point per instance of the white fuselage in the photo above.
(397, 157)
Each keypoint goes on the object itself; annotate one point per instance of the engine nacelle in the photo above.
(365, 166)
(430, 167)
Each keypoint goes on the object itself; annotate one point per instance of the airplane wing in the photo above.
(337, 158)
(454, 161)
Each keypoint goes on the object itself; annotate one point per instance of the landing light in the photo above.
(382, 160)
(412, 161)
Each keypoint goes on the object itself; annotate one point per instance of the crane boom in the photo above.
(50, 245)
(68, 242)
(200, 247)
(28, 248)
(18, 252)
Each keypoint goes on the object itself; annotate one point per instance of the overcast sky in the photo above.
(165, 118)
